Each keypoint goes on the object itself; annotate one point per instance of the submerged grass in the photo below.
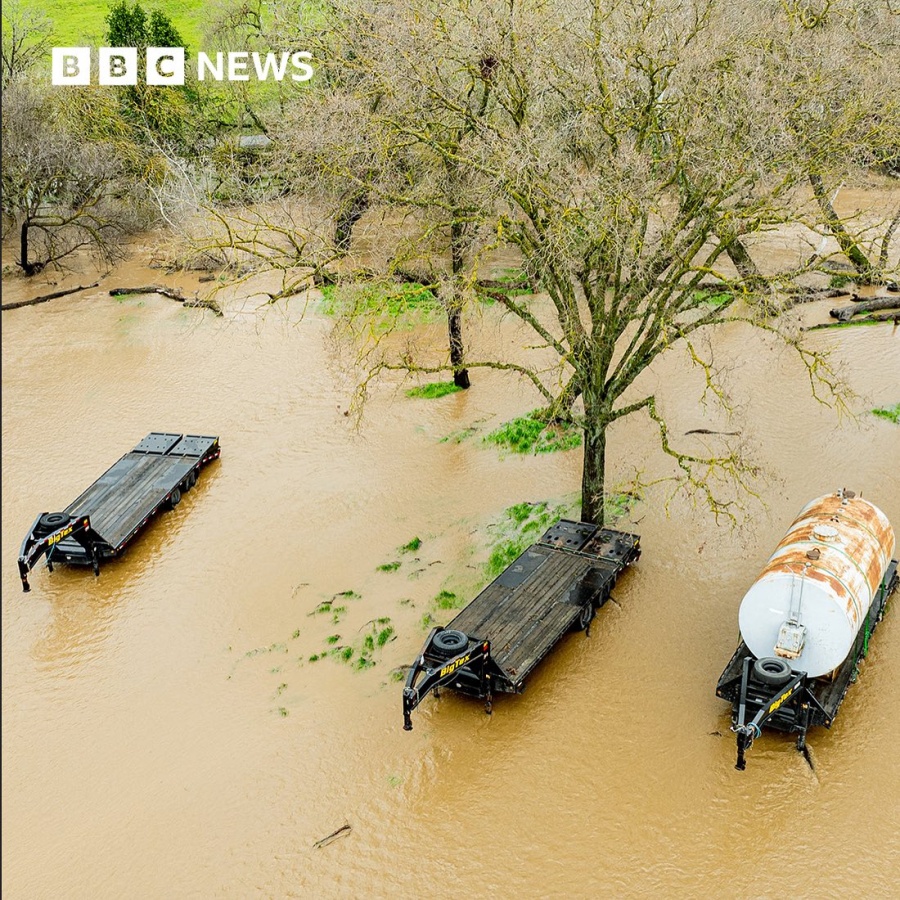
(519, 527)
(528, 434)
(362, 651)
(891, 413)
(390, 305)
(433, 390)
(412, 546)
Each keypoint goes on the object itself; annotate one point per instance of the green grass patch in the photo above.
(362, 652)
(853, 323)
(616, 505)
(839, 281)
(447, 600)
(519, 527)
(891, 413)
(389, 567)
(433, 390)
(714, 299)
(528, 434)
(412, 546)
(457, 437)
(386, 305)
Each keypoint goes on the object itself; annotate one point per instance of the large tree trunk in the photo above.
(454, 311)
(849, 247)
(454, 329)
(27, 267)
(351, 211)
(593, 477)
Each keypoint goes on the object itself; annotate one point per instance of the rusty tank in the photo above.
(812, 596)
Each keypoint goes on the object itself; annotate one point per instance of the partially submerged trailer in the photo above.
(104, 519)
(807, 619)
(493, 644)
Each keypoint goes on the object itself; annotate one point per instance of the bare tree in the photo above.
(64, 193)
(26, 40)
(628, 150)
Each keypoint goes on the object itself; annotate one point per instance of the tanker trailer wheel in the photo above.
(450, 642)
(772, 671)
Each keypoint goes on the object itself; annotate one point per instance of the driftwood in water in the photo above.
(884, 317)
(707, 431)
(846, 313)
(45, 297)
(171, 293)
(343, 831)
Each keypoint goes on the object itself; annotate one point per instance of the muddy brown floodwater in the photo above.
(165, 733)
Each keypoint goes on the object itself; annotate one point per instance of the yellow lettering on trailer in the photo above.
(779, 701)
(58, 537)
(455, 665)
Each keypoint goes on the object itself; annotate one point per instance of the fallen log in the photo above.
(171, 293)
(846, 313)
(343, 831)
(707, 431)
(45, 297)
(884, 317)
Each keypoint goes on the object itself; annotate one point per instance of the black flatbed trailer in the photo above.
(105, 518)
(767, 692)
(493, 644)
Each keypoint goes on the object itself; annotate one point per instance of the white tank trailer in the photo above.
(814, 593)
(807, 620)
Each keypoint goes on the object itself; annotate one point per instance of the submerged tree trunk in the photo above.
(848, 246)
(593, 478)
(454, 311)
(27, 267)
(454, 329)
(351, 211)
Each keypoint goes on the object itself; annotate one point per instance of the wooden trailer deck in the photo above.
(555, 586)
(103, 519)
(542, 595)
(128, 491)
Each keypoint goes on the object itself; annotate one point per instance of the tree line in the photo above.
(628, 153)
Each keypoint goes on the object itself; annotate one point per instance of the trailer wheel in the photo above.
(175, 498)
(772, 671)
(586, 617)
(51, 521)
(450, 641)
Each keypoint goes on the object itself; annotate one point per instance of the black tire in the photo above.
(585, 617)
(174, 498)
(51, 521)
(450, 642)
(772, 670)
(192, 478)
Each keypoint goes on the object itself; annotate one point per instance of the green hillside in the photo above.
(83, 23)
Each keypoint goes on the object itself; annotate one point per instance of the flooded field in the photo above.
(165, 732)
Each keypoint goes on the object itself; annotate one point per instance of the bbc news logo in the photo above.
(166, 66)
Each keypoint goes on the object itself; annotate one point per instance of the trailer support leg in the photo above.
(95, 560)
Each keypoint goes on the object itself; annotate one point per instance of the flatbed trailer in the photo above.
(102, 521)
(768, 692)
(493, 644)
